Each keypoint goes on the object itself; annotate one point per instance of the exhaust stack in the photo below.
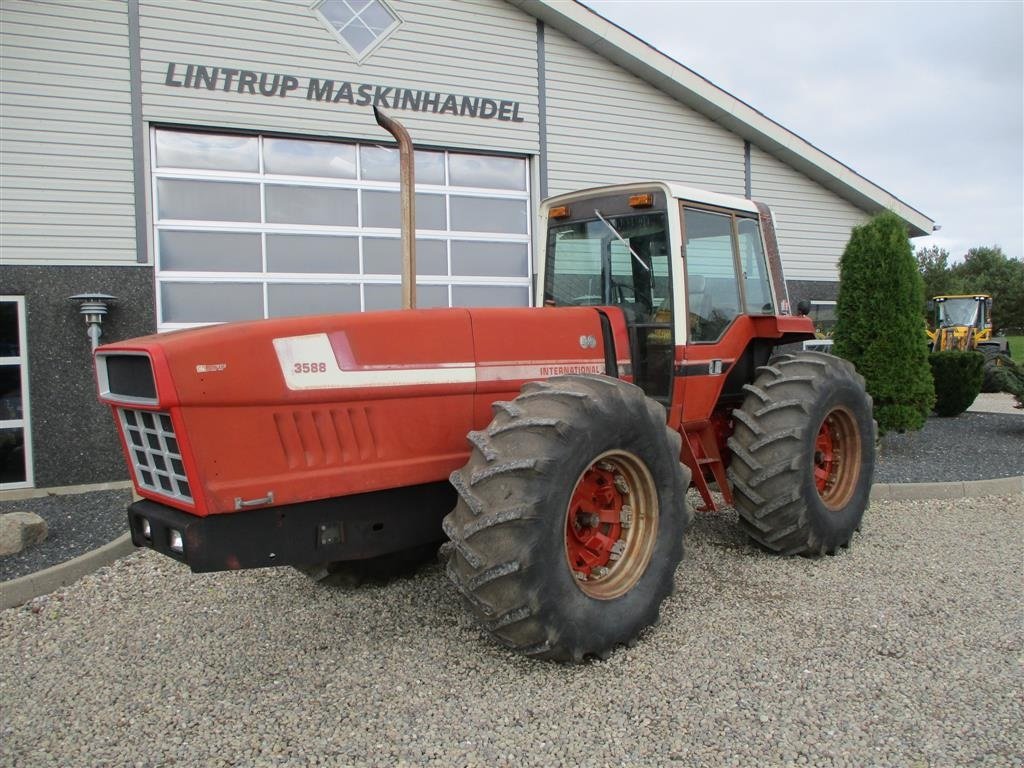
(408, 188)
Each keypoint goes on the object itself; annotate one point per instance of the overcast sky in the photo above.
(925, 99)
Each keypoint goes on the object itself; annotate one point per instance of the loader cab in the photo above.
(683, 265)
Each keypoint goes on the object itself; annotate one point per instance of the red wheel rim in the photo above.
(836, 458)
(611, 524)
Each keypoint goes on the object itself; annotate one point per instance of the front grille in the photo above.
(155, 454)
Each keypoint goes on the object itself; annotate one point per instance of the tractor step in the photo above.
(700, 451)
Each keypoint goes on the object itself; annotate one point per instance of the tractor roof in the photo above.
(672, 189)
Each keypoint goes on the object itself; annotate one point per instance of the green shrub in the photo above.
(879, 327)
(1001, 374)
(957, 378)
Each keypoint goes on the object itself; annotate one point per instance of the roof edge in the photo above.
(633, 54)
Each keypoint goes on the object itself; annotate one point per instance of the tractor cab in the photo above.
(688, 269)
(697, 281)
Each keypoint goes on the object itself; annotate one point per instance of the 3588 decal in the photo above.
(310, 368)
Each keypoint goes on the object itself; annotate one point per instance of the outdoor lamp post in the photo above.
(93, 307)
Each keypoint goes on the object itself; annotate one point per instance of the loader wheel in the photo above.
(570, 519)
(350, 574)
(803, 454)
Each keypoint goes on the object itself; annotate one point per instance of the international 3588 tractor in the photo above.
(553, 445)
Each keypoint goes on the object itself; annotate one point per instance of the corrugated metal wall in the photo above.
(813, 224)
(473, 48)
(608, 126)
(67, 152)
(66, 156)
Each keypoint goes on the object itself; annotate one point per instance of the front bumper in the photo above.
(345, 528)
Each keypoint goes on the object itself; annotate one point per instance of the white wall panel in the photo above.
(608, 126)
(66, 155)
(477, 48)
(813, 224)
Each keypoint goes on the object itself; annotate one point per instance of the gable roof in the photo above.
(686, 86)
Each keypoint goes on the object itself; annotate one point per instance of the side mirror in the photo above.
(803, 307)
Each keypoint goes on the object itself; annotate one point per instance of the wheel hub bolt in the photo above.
(588, 519)
(621, 485)
(599, 572)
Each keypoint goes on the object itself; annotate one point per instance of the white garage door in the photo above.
(250, 227)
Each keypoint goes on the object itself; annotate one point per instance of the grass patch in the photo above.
(1016, 347)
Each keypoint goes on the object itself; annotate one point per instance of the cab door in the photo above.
(727, 285)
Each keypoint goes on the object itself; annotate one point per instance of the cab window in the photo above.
(711, 285)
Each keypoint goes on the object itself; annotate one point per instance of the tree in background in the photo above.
(933, 264)
(983, 270)
(879, 327)
(989, 270)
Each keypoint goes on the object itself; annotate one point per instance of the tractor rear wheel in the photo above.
(803, 454)
(570, 519)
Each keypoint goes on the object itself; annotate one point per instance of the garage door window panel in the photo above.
(207, 151)
(379, 297)
(488, 214)
(486, 172)
(382, 164)
(489, 296)
(383, 210)
(327, 254)
(322, 206)
(292, 300)
(294, 157)
(186, 200)
(185, 302)
(199, 251)
(484, 259)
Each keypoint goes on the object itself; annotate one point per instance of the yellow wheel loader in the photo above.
(964, 323)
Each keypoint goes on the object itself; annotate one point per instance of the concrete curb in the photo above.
(1000, 486)
(21, 590)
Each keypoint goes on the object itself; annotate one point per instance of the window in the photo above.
(823, 313)
(361, 25)
(757, 290)
(711, 285)
(588, 264)
(248, 227)
(15, 431)
(726, 271)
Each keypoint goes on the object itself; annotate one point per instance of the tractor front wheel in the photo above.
(803, 454)
(570, 519)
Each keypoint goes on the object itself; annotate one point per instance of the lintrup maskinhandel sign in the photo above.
(317, 89)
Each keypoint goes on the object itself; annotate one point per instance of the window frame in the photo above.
(359, 57)
(25, 422)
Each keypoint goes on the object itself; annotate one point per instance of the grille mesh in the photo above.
(155, 454)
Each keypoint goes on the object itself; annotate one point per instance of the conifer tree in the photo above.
(879, 327)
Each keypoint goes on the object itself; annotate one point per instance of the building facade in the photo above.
(215, 161)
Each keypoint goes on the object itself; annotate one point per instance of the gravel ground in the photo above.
(903, 651)
(77, 524)
(971, 446)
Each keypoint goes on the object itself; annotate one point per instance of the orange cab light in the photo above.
(646, 200)
(559, 212)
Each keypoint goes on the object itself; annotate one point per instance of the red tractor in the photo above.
(552, 445)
